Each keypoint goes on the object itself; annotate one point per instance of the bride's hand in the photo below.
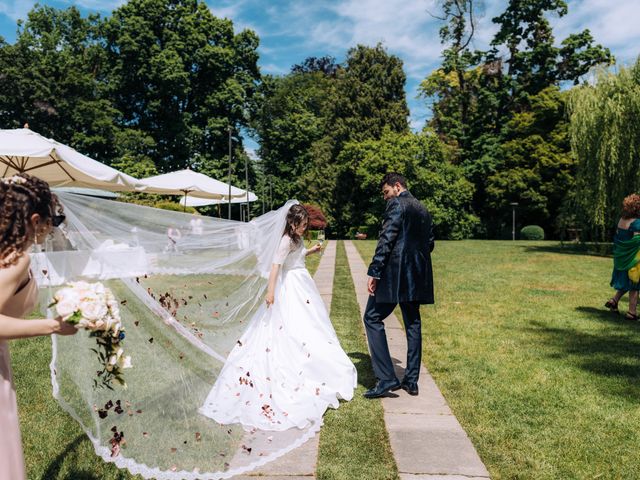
(316, 248)
(269, 299)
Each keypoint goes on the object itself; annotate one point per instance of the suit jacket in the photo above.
(402, 261)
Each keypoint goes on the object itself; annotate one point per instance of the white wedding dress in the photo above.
(288, 367)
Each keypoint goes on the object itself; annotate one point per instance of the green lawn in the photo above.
(543, 379)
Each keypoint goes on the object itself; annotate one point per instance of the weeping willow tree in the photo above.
(605, 138)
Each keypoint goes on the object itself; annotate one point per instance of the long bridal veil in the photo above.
(187, 287)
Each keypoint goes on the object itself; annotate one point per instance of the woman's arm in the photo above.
(271, 288)
(11, 327)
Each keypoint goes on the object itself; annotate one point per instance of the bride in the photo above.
(288, 367)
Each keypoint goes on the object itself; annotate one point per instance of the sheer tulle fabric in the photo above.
(185, 302)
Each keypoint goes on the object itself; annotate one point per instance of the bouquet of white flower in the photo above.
(93, 307)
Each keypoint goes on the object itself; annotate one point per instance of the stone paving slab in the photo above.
(301, 462)
(427, 440)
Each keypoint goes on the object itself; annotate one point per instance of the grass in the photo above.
(353, 442)
(543, 379)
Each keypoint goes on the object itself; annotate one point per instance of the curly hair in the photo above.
(297, 214)
(631, 206)
(21, 196)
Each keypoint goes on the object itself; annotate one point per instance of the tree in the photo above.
(536, 167)
(369, 101)
(291, 114)
(440, 185)
(181, 76)
(606, 141)
(487, 114)
(533, 62)
(52, 79)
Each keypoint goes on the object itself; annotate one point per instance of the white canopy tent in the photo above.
(25, 151)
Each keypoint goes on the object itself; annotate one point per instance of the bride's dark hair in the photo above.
(21, 196)
(297, 214)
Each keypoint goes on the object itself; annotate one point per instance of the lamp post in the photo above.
(246, 179)
(513, 220)
(229, 204)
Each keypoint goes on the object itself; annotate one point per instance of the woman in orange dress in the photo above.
(27, 215)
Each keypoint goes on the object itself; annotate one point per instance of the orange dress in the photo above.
(11, 458)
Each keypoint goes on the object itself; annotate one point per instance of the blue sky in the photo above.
(291, 30)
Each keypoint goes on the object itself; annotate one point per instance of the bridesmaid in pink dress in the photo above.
(27, 215)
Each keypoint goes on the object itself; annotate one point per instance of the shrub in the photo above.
(174, 207)
(317, 220)
(532, 232)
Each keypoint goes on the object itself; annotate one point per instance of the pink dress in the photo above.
(11, 458)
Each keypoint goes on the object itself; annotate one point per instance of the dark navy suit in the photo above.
(402, 265)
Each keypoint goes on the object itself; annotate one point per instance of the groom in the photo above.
(400, 272)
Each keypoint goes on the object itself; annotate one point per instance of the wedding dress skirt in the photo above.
(288, 366)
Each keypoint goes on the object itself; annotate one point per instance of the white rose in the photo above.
(113, 359)
(93, 310)
(84, 323)
(66, 308)
(124, 362)
(109, 323)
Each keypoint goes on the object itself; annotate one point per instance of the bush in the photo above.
(532, 232)
(317, 220)
(174, 207)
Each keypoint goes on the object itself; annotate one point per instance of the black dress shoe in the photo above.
(410, 387)
(381, 388)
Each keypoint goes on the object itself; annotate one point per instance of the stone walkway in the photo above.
(301, 463)
(426, 438)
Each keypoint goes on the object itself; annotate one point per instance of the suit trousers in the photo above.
(374, 317)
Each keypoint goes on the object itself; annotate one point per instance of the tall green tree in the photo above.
(292, 113)
(182, 77)
(604, 120)
(370, 101)
(536, 165)
(52, 79)
(533, 61)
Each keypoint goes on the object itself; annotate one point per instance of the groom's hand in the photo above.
(371, 285)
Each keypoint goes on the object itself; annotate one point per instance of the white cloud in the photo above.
(16, 9)
(612, 24)
(274, 69)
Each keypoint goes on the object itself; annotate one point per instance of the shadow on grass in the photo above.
(53, 470)
(366, 377)
(612, 352)
(602, 250)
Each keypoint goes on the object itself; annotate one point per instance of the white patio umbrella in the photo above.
(188, 182)
(25, 151)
